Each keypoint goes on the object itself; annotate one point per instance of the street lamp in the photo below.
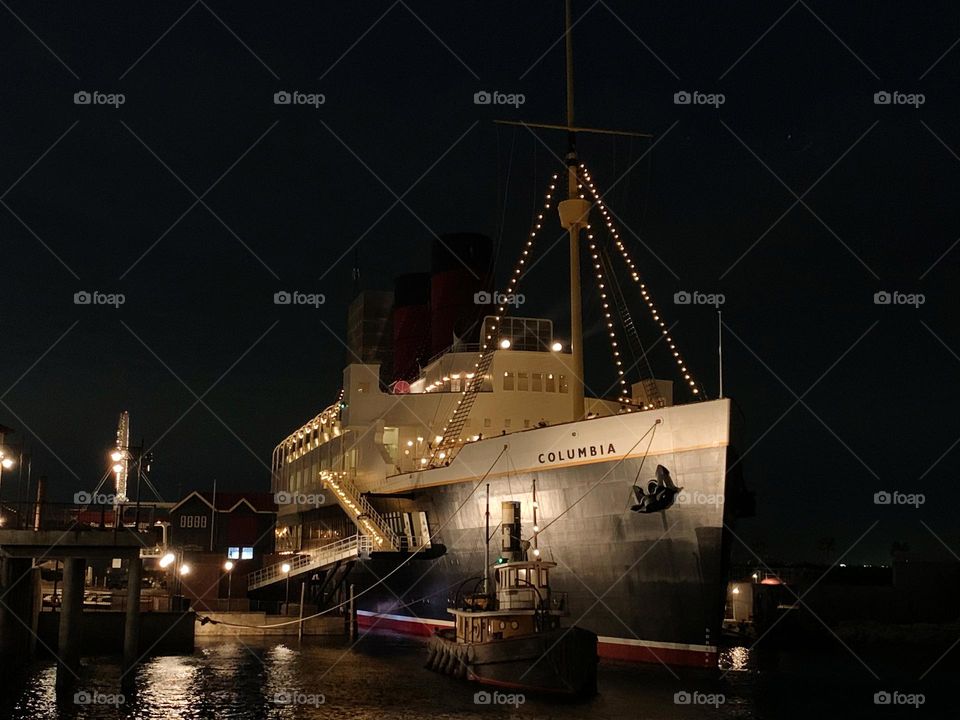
(286, 569)
(6, 463)
(228, 566)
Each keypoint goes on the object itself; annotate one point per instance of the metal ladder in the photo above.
(450, 443)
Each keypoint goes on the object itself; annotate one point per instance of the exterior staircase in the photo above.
(368, 521)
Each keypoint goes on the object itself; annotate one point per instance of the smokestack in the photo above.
(510, 548)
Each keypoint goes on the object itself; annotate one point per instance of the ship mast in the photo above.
(573, 217)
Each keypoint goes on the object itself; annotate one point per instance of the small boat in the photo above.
(512, 637)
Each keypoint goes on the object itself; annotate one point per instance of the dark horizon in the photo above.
(799, 198)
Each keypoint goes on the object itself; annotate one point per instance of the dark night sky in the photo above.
(399, 82)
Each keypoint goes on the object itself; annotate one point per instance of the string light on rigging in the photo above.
(635, 276)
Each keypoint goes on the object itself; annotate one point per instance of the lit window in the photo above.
(363, 387)
(508, 381)
(551, 383)
(233, 553)
(537, 382)
(246, 553)
(521, 381)
(563, 383)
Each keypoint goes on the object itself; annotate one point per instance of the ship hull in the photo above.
(651, 586)
(561, 661)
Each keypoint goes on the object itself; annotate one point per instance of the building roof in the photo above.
(261, 502)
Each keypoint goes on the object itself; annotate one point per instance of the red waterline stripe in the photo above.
(608, 650)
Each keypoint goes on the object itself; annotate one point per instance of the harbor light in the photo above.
(117, 468)
(285, 567)
(7, 463)
(505, 344)
(228, 565)
(167, 560)
(184, 569)
(116, 456)
(556, 347)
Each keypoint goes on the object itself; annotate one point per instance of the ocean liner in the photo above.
(447, 390)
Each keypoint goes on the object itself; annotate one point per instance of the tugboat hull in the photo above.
(561, 661)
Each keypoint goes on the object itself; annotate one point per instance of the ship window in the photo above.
(563, 383)
(526, 423)
(506, 422)
(502, 624)
(522, 574)
(521, 381)
(508, 381)
(455, 384)
(486, 422)
(514, 624)
(363, 387)
(551, 383)
(537, 385)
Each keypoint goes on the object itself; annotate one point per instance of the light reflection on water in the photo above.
(384, 678)
(735, 659)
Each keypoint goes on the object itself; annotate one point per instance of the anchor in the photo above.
(659, 495)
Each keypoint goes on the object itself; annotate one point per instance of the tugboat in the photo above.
(512, 637)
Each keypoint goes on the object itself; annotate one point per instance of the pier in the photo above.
(21, 626)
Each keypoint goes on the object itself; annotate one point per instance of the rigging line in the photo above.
(634, 343)
(604, 477)
(644, 458)
(503, 204)
(385, 577)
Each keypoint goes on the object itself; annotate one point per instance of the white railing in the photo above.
(346, 549)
